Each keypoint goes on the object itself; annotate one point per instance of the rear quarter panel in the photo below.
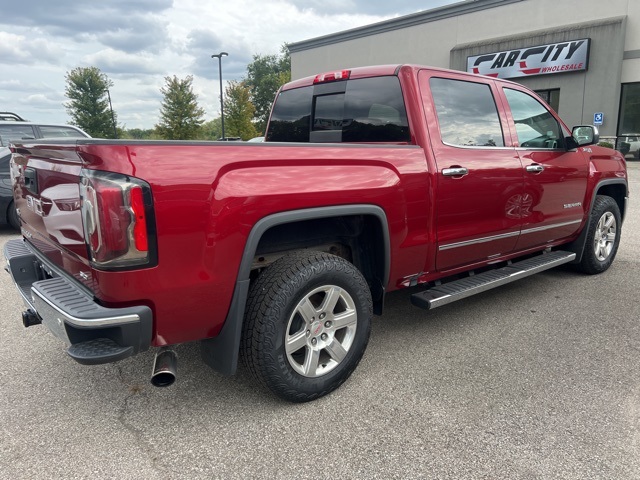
(207, 198)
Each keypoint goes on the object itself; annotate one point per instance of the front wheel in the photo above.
(603, 236)
(307, 325)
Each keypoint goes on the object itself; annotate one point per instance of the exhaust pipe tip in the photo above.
(165, 367)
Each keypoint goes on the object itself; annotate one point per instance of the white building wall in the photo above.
(430, 43)
(615, 58)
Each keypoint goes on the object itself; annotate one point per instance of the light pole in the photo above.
(219, 57)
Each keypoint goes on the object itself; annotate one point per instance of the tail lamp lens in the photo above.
(115, 219)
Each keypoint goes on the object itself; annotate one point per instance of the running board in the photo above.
(450, 292)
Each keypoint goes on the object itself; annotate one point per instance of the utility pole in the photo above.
(113, 118)
(219, 57)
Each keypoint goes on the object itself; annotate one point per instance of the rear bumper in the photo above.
(94, 334)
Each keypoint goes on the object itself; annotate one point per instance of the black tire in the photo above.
(603, 236)
(291, 344)
(12, 216)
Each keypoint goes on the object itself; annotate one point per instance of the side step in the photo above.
(463, 288)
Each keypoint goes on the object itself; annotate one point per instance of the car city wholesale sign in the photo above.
(541, 60)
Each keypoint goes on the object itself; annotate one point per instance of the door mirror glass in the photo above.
(585, 135)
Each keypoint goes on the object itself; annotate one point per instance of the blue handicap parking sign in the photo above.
(598, 118)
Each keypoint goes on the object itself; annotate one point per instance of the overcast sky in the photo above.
(139, 42)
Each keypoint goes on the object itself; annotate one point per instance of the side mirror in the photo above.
(585, 135)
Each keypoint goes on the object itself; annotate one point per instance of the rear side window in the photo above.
(363, 110)
(467, 113)
(53, 131)
(13, 132)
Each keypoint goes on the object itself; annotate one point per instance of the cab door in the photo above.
(555, 179)
(479, 177)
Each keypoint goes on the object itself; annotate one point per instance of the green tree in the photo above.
(140, 134)
(211, 130)
(180, 115)
(265, 75)
(88, 104)
(239, 111)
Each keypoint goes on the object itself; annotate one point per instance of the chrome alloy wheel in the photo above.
(605, 236)
(321, 331)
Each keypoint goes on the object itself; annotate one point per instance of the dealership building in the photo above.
(582, 57)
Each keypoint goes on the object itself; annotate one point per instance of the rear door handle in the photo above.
(535, 168)
(454, 171)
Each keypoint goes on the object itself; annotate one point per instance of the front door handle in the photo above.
(535, 168)
(454, 171)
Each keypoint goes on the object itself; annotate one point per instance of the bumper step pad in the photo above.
(100, 350)
(94, 333)
(463, 288)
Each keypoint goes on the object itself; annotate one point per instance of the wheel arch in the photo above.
(372, 259)
(614, 188)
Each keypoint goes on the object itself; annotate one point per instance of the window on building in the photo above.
(535, 126)
(552, 97)
(467, 113)
(629, 120)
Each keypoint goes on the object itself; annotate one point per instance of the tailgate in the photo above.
(46, 182)
(78, 218)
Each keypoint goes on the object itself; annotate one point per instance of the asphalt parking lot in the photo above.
(537, 380)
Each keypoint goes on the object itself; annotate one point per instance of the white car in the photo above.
(633, 139)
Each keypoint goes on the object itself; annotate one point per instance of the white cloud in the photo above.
(139, 43)
(20, 50)
(117, 62)
(43, 101)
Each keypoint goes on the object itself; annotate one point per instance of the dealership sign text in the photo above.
(541, 60)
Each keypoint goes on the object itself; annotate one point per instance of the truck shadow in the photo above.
(403, 327)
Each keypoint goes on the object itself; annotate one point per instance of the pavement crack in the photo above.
(123, 412)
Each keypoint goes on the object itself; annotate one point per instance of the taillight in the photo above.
(332, 76)
(140, 227)
(115, 219)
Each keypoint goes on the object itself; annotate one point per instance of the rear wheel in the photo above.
(12, 216)
(603, 236)
(307, 325)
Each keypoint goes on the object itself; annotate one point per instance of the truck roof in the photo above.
(378, 71)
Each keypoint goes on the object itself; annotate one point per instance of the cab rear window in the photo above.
(367, 110)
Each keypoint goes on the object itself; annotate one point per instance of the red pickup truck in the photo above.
(370, 180)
